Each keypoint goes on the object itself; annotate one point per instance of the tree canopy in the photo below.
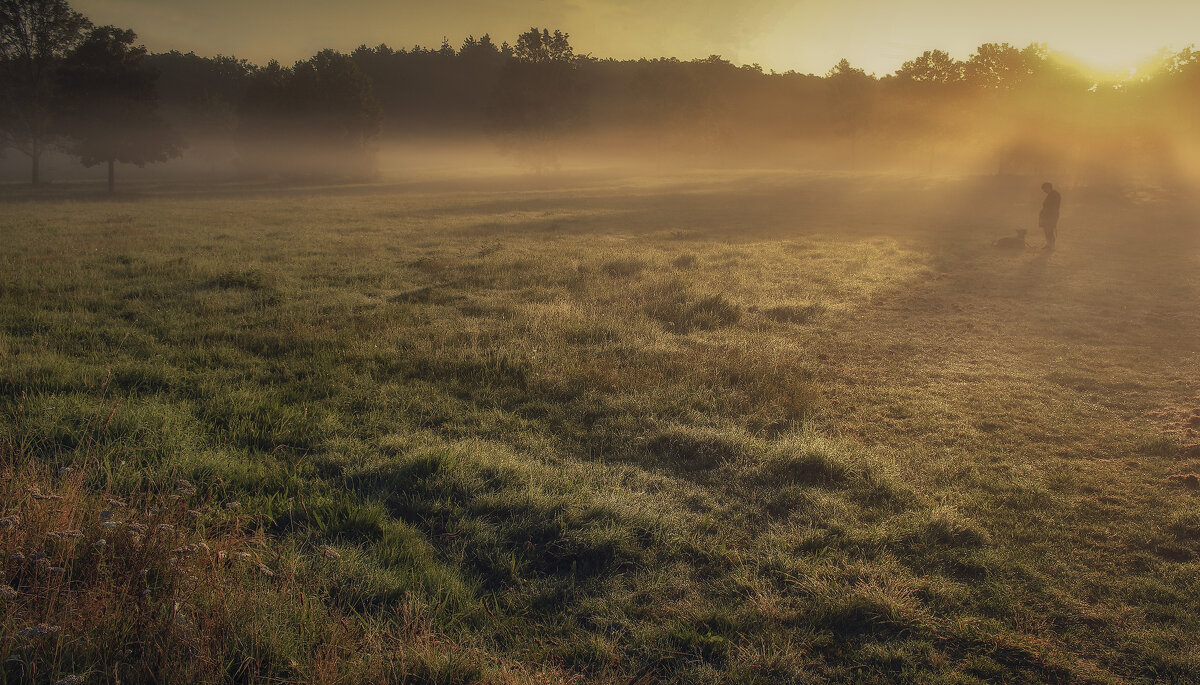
(933, 66)
(110, 105)
(35, 37)
(541, 47)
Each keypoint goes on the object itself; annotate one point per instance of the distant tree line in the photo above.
(1027, 107)
(93, 92)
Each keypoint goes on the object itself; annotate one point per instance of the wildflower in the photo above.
(7, 592)
(186, 549)
(220, 555)
(65, 470)
(106, 515)
(136, 529)
(57, 570)
(38, 631)
(116, 502)
(65, 535)
(330, 553)
(184, 488)
(70, 680)
(111, 524)
(166, 528)
(195, 513)
(244, 556)
(232, 505)
(39, 496)
(202, 547)
(266, 571)
(17, 557)
(10, 521)
(100, 543)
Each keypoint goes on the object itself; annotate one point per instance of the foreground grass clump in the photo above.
(173, 586)
(592, 435)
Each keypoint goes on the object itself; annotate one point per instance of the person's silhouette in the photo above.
(1048, 218)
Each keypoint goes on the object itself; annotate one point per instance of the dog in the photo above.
(1015, 243)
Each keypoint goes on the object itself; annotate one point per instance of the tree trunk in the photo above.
(36, 159)
(112, 176)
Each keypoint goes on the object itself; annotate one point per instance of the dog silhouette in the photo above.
(1014, 243)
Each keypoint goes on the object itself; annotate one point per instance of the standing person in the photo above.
(1048, 218)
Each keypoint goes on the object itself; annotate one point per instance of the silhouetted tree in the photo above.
(933, 66)
(35, 36)
(539, 93)
(439, 89)
(481, 49)
(200, 96)
(543, 47)
(850, 103)
(336, 100)
(1186, 61)
(844, 71)
(203, 93)
(110, 105)
(1002, 66)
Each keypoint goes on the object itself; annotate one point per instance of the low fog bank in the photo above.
(1070, 157)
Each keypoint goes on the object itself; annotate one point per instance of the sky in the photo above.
(801, 35)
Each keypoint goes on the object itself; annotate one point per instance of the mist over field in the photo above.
(504, 363)
(538, 107)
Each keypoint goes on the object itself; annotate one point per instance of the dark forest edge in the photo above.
(94, 93)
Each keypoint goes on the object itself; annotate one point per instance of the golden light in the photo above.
(1114, 61)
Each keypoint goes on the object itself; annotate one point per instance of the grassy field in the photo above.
(739, 428)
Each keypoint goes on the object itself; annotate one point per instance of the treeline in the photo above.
(93, 92)
(323, 115)
(1004, 109)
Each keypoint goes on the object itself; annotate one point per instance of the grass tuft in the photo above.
(624, 268)
(682, 311)
(247, 279)
(795, 313)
